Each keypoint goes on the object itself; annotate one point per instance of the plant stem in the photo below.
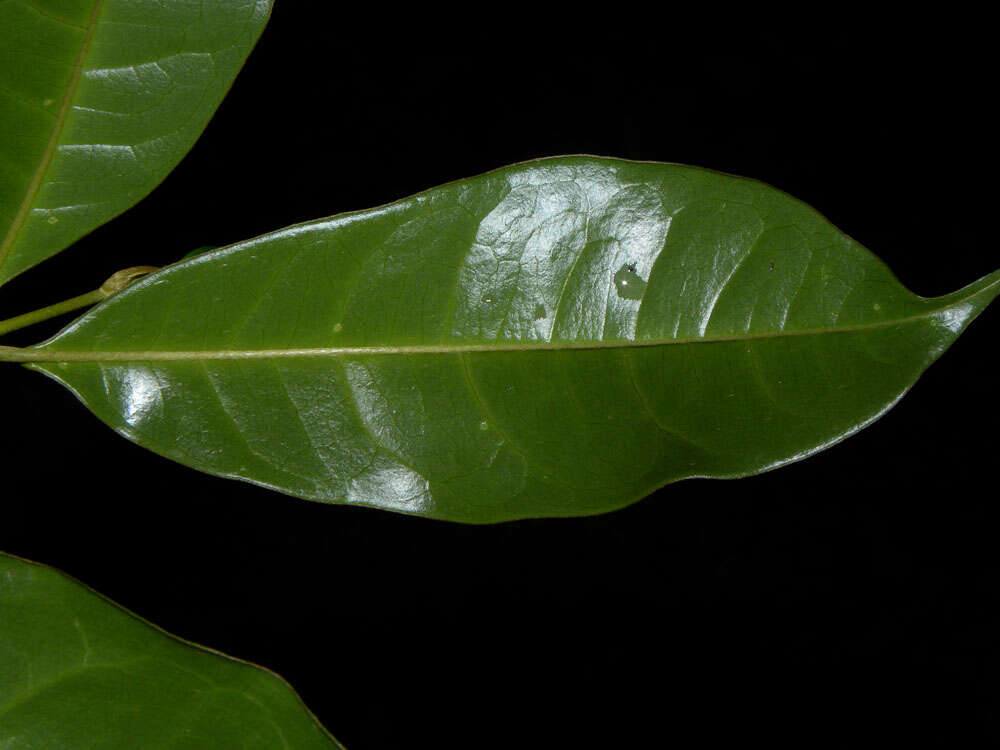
(109, 288)
(60, 308)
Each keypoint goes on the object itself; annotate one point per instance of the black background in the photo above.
(847, 600)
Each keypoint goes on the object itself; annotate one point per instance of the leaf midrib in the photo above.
(29, 355)
(52, 144)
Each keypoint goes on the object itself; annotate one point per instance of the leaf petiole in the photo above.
(109, 288)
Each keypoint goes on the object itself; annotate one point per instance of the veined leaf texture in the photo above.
(556, 338)
(78, 671)
(99, 100)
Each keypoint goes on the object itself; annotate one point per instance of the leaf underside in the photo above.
(99, 100)
(555, 338)
(78, 671)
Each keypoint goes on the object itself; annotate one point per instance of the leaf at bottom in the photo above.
(78, 671)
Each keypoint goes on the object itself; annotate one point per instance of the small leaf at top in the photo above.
(99, 100)
(78, 671)
(555, 338)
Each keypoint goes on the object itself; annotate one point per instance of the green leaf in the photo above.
(99, 100)
(78, 671)
(556, 338)
(199, 251)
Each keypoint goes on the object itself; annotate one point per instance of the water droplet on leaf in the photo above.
(337, 328)
(483, 425)
(628, 284)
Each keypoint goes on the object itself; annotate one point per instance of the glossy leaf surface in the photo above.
(555, 338)
(77, 671)
(99, 100)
